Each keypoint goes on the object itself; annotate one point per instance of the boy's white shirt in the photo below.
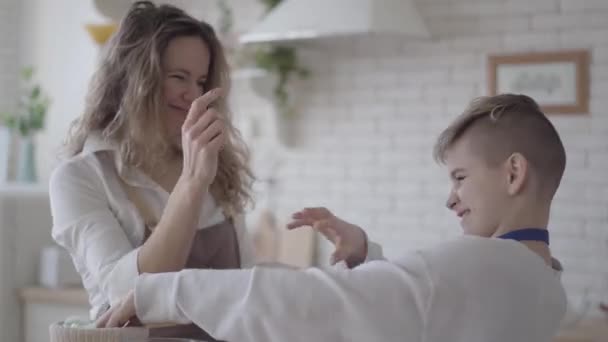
(467, 290)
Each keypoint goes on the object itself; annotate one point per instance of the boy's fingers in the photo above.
(297, 215)
(318, 213)
(302, 215)
(326, 229)
(339, 254)
(297, 223)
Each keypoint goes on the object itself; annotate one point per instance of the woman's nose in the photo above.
(192, 92)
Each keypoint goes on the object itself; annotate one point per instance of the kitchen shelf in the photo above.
(248, 73)
(23, 190)
(65, 296)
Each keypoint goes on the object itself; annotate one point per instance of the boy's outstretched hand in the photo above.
(350, 240)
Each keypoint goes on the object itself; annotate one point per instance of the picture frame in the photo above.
(557, 81)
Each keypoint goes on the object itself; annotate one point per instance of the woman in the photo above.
(157, 176)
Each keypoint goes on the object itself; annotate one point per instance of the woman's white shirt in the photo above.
(102, 229)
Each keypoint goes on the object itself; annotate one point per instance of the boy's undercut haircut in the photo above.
(501, 125)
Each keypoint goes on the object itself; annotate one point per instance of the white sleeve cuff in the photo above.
(374, 252)
(156, 299)
(122, 278)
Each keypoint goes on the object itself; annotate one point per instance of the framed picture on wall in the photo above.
(558, 81)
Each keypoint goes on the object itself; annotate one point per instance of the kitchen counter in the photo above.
(64, 296)
(588, 330)
(44, 306)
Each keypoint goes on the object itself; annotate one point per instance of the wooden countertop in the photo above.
(588, 330)
(65, 296)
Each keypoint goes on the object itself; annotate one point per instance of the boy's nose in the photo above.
(452, 200)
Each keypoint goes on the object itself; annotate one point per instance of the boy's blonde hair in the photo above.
(501, 125)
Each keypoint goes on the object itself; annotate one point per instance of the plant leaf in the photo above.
(23, 128)
(27, 73)
(270, 4)
(32, 107)
(35, 92)
(37, 116)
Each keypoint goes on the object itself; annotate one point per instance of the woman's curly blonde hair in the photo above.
(125, 101)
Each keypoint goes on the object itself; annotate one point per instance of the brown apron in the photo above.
(213, 247)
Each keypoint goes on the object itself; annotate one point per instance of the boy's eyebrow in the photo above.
(455, 171)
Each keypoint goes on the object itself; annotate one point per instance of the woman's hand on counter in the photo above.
(120, 315)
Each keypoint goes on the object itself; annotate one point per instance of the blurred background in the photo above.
(370, 87)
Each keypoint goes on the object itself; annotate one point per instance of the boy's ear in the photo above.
(517, 172)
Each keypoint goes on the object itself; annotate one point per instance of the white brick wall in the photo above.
(9, 65)
(374, 106)
(8, 53)
(9, 78)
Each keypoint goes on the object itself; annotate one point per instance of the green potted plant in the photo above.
(281, 61)
(279, 65)
(26, 121)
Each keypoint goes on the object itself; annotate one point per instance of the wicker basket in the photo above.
(61, 333)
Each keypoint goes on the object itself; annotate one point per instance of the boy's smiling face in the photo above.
(479, 191)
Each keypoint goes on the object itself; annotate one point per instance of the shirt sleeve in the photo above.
(377, 301)
(374, 252)
(86, 227)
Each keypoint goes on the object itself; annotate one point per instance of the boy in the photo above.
(497, 283)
